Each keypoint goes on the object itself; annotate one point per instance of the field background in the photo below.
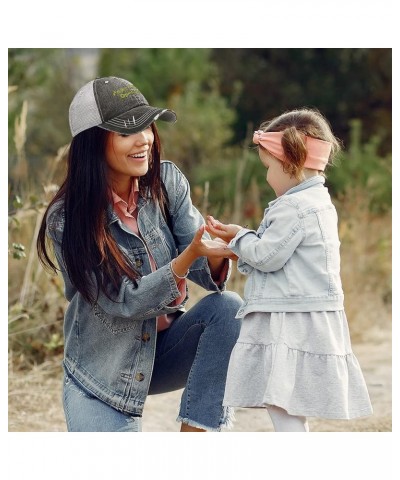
(369, 316)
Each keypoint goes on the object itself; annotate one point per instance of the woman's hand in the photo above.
(224, 231)
(200, 247)
(215, 251)
(229, 253)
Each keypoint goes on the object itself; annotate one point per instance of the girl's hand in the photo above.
(224, 231)
(215, 251)
(200, 247)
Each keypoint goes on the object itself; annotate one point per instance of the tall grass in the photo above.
(36, 303)
(366, 265)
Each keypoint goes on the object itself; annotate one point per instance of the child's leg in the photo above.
(283, 422)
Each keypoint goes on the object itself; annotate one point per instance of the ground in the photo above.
(35, 400)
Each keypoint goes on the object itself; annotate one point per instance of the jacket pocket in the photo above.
(114, 324)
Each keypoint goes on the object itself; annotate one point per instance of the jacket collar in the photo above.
(310, 182)
(113, 217)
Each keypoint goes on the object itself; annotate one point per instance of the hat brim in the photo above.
(137, 119)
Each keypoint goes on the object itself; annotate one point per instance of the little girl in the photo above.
(293, 355)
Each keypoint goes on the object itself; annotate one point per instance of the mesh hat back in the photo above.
(114, 104)
(83, 111)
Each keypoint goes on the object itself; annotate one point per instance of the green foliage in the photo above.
(238, 191)
(31, 338)
(239, 172)
(18, 251)
(159, 73)
(18, 208)
(343, 83)
(44, 81)
(216, 93)
(202, 130)
(361, 167)
(36, 303)
(17, 202)
(187, 81)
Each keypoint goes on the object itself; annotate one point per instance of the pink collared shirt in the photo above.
(127, 213)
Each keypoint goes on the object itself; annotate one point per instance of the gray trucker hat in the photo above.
(113, 104)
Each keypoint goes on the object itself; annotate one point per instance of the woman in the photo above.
(126, 236)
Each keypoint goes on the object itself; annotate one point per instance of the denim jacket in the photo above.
(109, 347)
(292, 260)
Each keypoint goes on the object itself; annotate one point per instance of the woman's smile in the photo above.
(139, 156)
(128, 156)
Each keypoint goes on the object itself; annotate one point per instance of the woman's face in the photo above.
(128, 155)
(279, 180)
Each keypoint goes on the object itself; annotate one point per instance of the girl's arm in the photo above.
(270, 251)
(224, 231)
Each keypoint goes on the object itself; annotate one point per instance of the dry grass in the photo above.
(35, 381)
(366, 267)
(34, 403)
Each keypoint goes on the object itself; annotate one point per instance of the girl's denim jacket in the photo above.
(293, 259)
(109, 347)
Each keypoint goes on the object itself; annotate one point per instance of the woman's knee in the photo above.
(226, 303)
(221, 309)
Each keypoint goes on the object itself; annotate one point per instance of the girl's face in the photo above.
(128, 155)
(279, 180)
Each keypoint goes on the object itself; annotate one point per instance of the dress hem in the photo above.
(330, 416)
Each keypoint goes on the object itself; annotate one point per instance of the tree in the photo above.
(187, 81)
(343, 83)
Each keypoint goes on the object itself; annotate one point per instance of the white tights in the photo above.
(283, 422)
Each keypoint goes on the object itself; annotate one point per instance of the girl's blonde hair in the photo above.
(294, 124)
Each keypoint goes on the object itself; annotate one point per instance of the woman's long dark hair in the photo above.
(88, 247)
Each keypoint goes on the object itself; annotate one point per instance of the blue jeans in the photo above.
(193, 353)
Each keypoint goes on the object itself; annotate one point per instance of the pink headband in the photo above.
(317, 150)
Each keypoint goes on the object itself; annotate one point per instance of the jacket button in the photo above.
(138, 262)
(139, 377)
(145, 337)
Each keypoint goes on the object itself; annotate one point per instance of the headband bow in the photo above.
(318, 151)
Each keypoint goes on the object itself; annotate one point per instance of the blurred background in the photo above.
(220, 96)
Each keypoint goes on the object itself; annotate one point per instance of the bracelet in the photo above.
(179, 276)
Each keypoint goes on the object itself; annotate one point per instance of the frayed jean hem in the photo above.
(227, 421)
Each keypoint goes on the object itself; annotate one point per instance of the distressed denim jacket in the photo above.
(292, 260)
(109, 347)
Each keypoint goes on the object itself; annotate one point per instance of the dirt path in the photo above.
(35, 401)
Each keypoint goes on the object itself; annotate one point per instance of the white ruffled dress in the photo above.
(302, 362)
